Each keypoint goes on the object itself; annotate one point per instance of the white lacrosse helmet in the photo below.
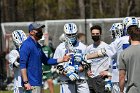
(129, 21)
(18, 37)
(70, 31)
(117, 30)
(70, 28)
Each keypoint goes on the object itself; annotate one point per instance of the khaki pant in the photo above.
(36, 89)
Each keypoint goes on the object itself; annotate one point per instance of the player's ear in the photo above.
(129, 40)
(32, 33)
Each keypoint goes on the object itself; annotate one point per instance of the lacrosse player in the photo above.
(117, 46)
(96, 81)
(72, 74)
(116, 32)
(18, 36)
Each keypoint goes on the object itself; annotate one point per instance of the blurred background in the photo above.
(18, 14)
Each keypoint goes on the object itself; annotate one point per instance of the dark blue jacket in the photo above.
(31, 58)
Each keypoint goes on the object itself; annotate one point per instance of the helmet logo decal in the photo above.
(133, 21)
(19, 35)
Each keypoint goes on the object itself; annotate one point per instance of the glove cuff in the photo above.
(68, 74)
(76, 68)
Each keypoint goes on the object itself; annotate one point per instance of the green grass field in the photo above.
(56, 89)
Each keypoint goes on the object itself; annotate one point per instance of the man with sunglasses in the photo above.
(32, 57)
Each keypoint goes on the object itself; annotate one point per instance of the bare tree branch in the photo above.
(129, 7)
(100, 7)
(82, 8)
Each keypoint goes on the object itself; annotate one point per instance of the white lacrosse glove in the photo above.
(13, 57)
(72, 76)
(69, 70)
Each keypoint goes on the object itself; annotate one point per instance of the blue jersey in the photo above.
(31, 58)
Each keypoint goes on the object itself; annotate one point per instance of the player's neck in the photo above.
(135, 42)
(97, 43)
(34, 38)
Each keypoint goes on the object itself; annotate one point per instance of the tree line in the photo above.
(32, 10)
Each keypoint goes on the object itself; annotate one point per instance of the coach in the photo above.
(129, 62)
(32, 57)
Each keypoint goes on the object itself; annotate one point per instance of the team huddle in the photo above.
(96, 68)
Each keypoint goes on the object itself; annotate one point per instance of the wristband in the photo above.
(25, 82)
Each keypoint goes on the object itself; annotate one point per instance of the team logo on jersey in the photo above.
(125, 46)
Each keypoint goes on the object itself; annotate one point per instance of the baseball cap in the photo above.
(35, 26)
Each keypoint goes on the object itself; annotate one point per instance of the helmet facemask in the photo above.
(72, 38)
(119, 33)
(117, 30)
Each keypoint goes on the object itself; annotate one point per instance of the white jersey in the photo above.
(117, 46)
(114, 50)
(61, 51)
(12, 57)
(98, 64)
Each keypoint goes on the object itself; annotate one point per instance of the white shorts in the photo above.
(74, 87)
(18, 90)
(36, 89)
